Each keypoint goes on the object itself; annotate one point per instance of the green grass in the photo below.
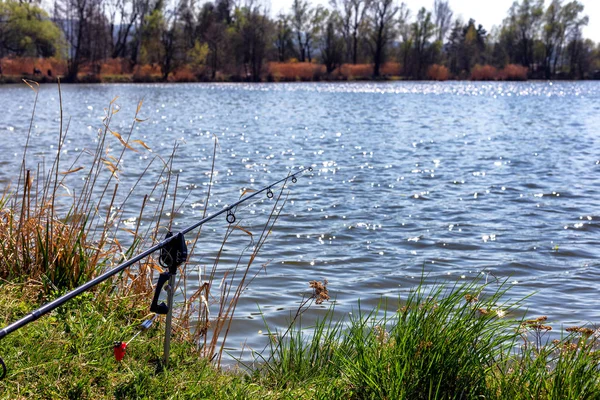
(68, 354)
(442, 342)
(434, 344)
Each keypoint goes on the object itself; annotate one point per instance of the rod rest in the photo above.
(172, 255)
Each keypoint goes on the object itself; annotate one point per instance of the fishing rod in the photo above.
(173, 252)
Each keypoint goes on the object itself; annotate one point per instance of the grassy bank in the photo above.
(69, 354)
(437, 342)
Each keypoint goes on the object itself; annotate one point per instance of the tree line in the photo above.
(229, 37)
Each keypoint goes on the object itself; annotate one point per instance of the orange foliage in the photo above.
(291, 71)
(115, 66)
(357, 71)
(484, 73)
(511, 72)
(146, 71)
(295, 71)
(183, 74)
(438, 72)
(514, 72)
(391, 69)
(25, 66)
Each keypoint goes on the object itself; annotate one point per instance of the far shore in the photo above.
(41, 70)
(130, 79)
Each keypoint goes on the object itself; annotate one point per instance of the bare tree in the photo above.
(576, 47)
(331, 43)
(86, 29)
(171, 46)
(283, 39)
(422, 30)
(253, 30)
(443, 18)
(212, 30)
(383, 26)
(353, 14)
(343, 20)
(570, 23)
(404, 30)
(528, 18)
(142, 9)
(301, 16)
(122, 16)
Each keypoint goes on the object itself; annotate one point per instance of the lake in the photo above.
(454, 180)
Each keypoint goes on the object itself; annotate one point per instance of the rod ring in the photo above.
(269, 193)
(230, 217)
(294, 180)
(310, 169)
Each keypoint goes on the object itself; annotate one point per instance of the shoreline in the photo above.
(124, 79)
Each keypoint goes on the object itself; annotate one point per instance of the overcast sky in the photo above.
(485, 12)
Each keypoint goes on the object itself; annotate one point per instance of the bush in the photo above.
(126, 78)
(438, 72)
(295, 71)
(391, 69)
(514, 72)
(357, 71)
(18, 66)
(115, 66)
(183, 74)
(484, 73)
(146, 73)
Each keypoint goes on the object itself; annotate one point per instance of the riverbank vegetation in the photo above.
(435, 342)
(220, 40)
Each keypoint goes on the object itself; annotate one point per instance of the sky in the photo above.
(485, 12)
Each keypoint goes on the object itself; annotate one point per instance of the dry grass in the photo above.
(207, 314)
(300, 71)
(19, 66)
(120, 70)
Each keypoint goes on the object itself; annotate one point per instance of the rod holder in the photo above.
(167, 345)
(172, 255)
(161, 308)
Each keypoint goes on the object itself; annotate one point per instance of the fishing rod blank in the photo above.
(173, 253)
